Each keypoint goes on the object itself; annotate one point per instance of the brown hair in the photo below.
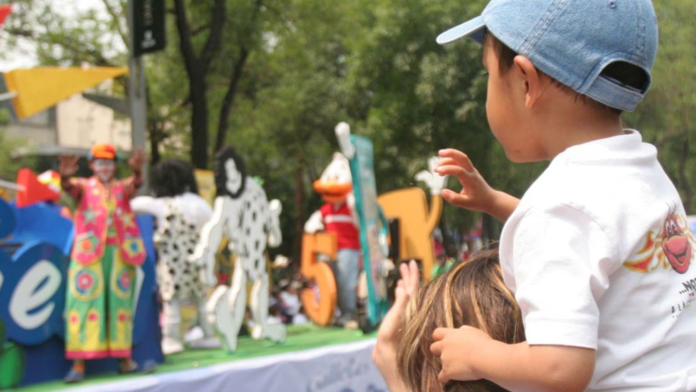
(623, 72)
(471, 293)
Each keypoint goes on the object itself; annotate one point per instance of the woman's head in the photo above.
(172, 177)
(471, 293)
(230, 173)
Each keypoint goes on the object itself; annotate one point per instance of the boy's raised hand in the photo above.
(476, 194)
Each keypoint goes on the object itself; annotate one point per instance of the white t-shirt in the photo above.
(193, 207)
(592, 254)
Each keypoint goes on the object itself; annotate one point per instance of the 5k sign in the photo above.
(32, 292)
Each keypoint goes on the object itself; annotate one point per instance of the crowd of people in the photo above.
(286, 304)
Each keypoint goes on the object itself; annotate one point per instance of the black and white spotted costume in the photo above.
(250, 223)
(175, 241)
(179, 220)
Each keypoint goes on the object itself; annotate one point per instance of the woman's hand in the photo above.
(384, 354)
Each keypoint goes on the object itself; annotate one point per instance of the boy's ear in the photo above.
(532, 80)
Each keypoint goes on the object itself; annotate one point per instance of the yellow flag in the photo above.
(205, 179)
(42, 87)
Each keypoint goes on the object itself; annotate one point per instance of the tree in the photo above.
(293, 102)
(413, 97)
(667, 116)
(86, 37)
(197, 68)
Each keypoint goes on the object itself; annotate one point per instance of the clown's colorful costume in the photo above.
(107, 248)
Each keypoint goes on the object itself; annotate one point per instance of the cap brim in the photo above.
(473, 29)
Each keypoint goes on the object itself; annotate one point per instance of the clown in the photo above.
(338, 215)
(107, 249)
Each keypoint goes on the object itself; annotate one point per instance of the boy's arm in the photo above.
(558, 251)
(502, 205)
(470, 354)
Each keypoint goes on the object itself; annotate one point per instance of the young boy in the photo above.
(598, 251)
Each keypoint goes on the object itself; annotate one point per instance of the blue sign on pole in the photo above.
(373, 227)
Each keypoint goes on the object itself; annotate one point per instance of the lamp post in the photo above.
(147, 35)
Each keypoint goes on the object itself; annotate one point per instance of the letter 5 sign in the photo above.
(32, 292)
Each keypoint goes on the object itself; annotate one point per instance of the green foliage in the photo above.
(10, 163)
(70, 39)
(667, 116)
(4, 117)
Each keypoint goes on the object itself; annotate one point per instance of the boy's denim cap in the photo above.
(572, 41)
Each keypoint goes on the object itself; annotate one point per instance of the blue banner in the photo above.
(33, 265)
(373, 226)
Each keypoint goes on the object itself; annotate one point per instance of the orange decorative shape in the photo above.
(86, 245)
(320, 306)
(332, 191)
(416, 223)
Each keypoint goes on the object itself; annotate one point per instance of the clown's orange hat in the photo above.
(103, 151)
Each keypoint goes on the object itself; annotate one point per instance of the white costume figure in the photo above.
(180, 215)
(242, 214)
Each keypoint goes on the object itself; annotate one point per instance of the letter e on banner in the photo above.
(32, 294)
(30, 305)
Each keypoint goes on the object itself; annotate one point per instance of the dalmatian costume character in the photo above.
(243, 214)
(338, 216)
(180, 213)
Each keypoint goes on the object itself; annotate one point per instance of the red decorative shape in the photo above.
(32, 191)
(5, 10)
(85, 282)
(125, 281)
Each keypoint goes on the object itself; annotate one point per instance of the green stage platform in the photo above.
(299, 338)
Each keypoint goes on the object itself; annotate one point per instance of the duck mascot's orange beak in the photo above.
(332, 191)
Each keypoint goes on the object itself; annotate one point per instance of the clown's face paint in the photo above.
(234, 177)
(104, 169)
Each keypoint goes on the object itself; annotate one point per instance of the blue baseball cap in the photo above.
(572, 41)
